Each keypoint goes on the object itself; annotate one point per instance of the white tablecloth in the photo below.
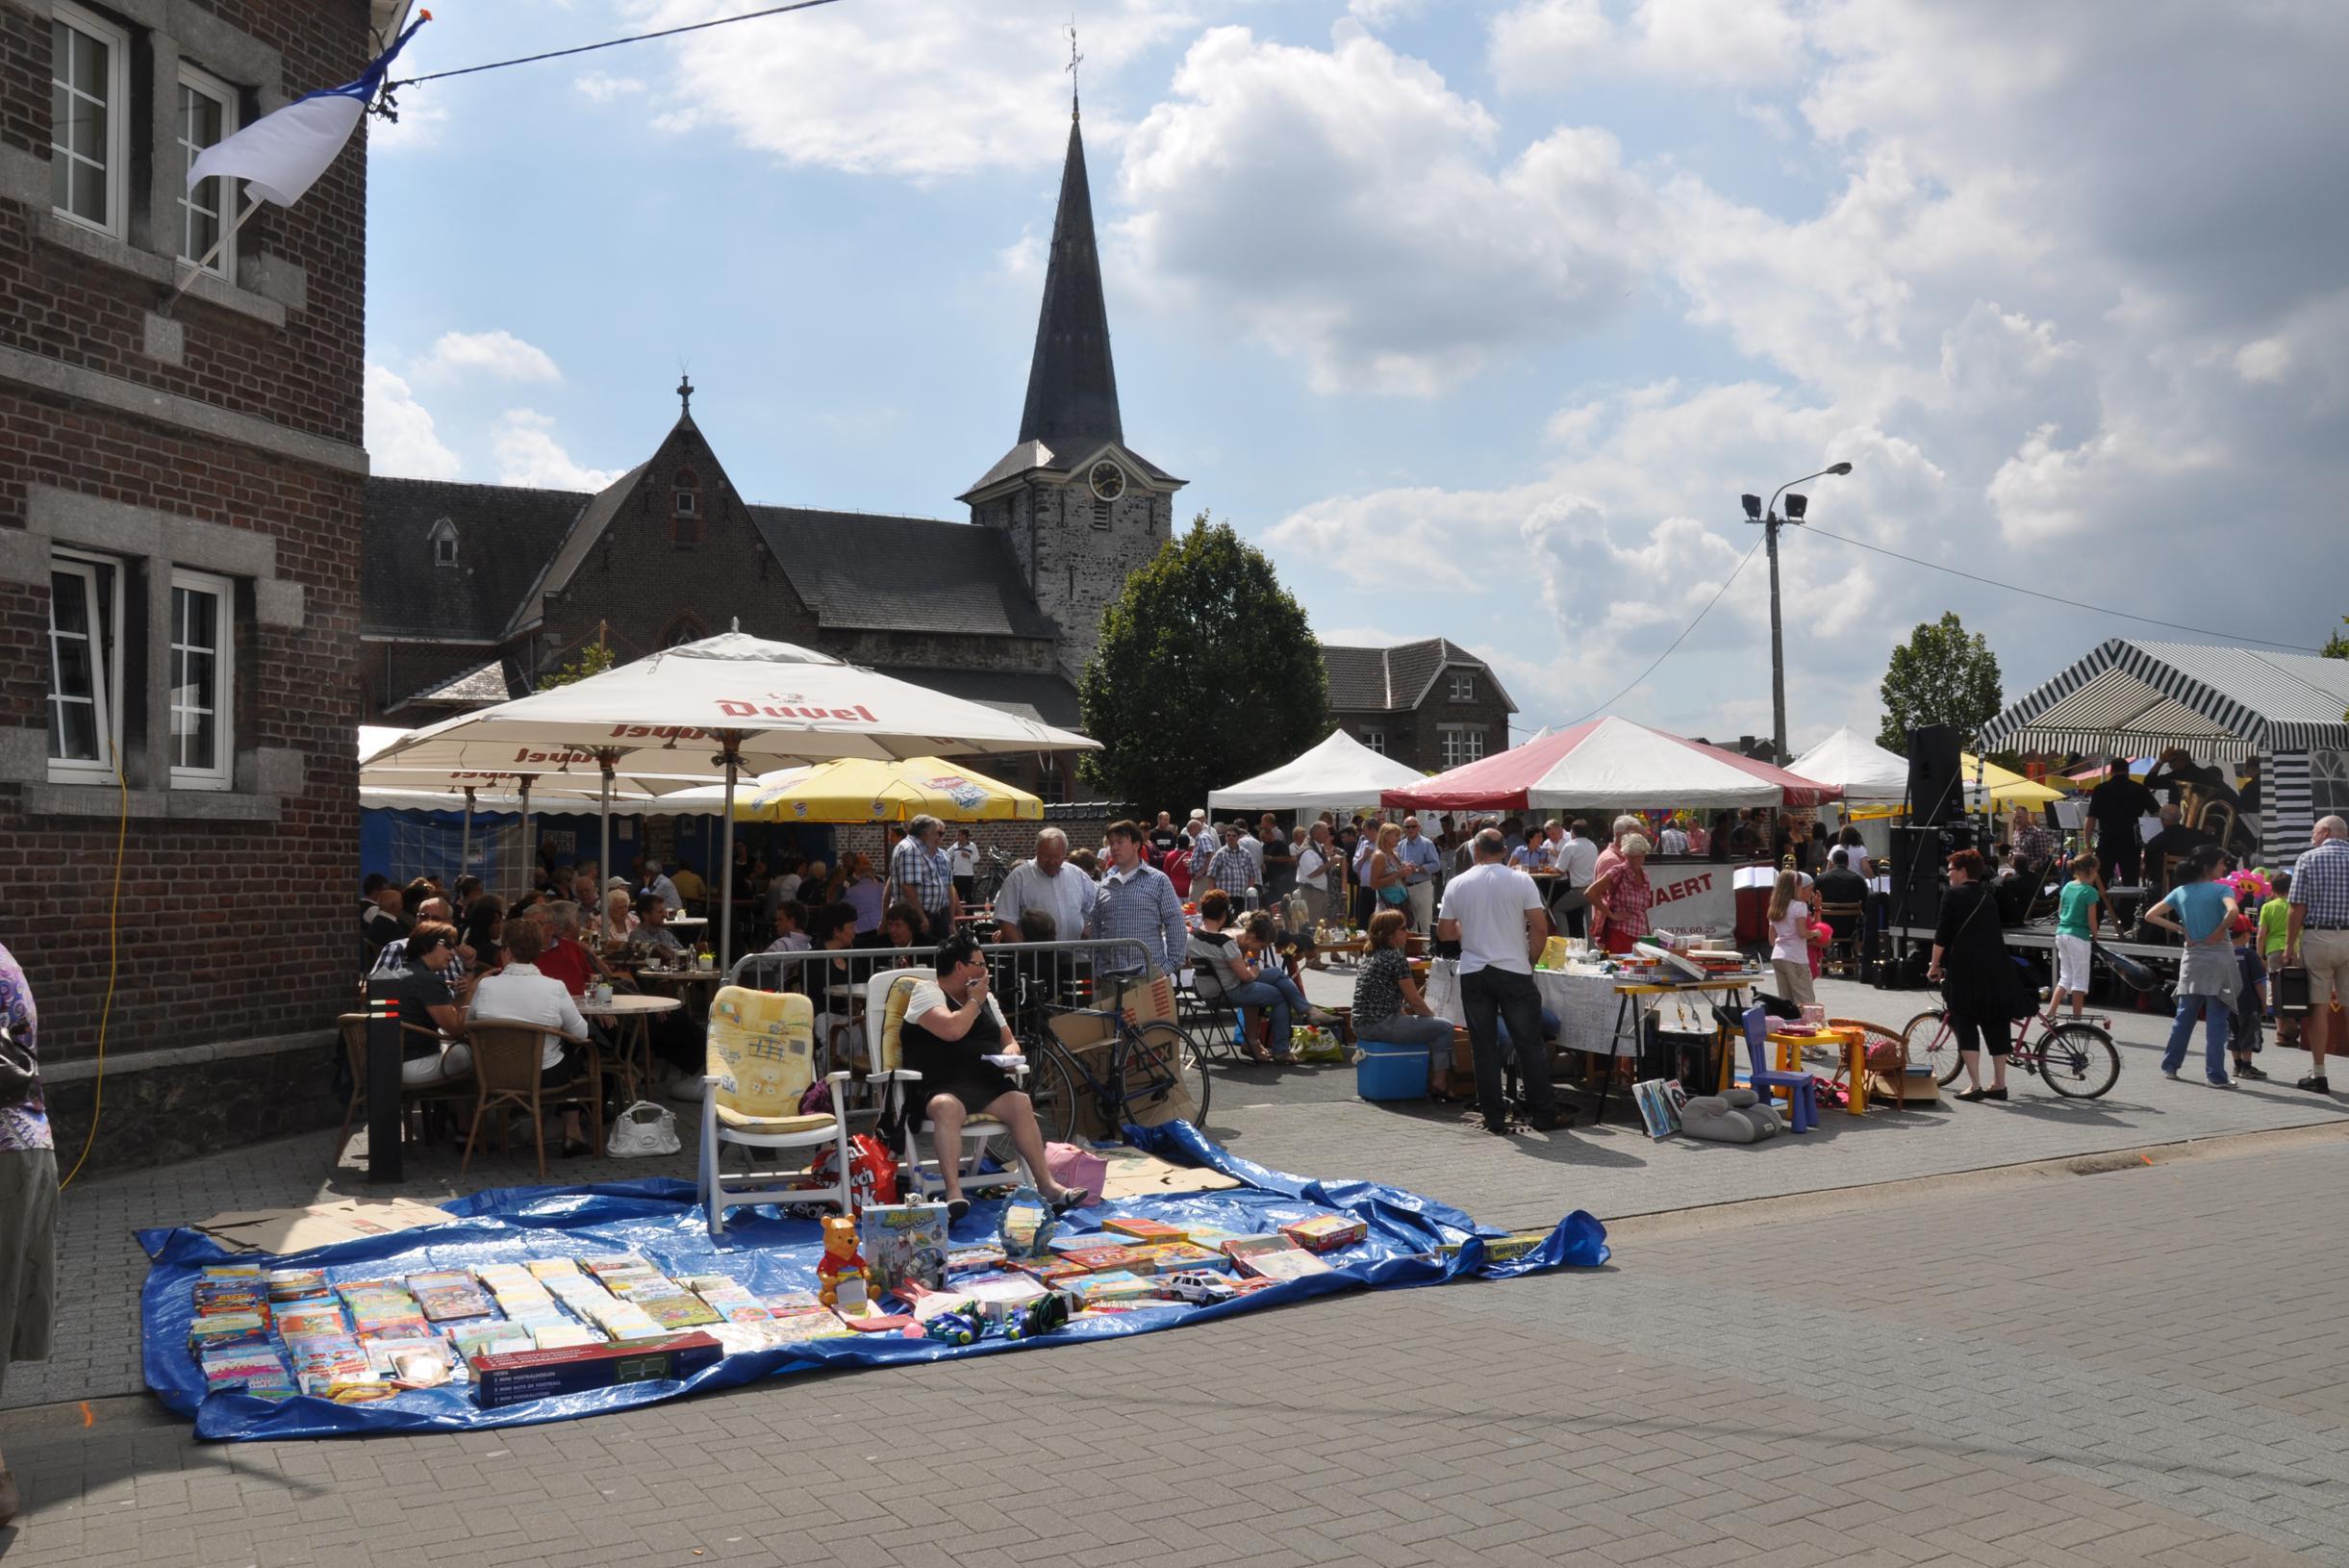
(1584, 1003)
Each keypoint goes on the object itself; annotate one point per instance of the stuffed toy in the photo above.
(840, 1275)
(1735, 1116)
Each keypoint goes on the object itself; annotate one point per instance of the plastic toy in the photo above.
(952, 1328)
(1044, 1315)
(1197, 1286)
(840, 1274)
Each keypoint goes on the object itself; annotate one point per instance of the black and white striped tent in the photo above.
(2222, 704)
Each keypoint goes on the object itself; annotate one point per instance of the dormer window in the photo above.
(443, 544)
(685, 515)
(1463, 688)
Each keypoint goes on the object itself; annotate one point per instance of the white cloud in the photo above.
(528, 454)
(498, 355)
(400, 433)
(1349, 209)
(922, 89)
(598, 87)
(2263, 361)
(1542, 46)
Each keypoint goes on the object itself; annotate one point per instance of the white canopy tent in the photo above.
(1869, 774)
(677, 719)
(1338, 771)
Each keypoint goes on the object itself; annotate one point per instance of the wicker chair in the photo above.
(414, 1098)
(506, 1072)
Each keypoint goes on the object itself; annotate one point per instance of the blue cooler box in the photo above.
(1391, 1072)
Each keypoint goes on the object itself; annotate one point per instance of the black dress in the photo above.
(953, 1067)
(1974, 965)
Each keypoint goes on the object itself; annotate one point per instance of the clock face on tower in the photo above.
(1107, 480)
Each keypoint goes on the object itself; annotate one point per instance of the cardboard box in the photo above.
(537, 1374)
(902, 1242)
(1143, 1001)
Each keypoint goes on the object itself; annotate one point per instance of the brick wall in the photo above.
(237, 916)
(1415, 738)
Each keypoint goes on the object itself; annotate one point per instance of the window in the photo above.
(689, 504)
(89, 101)
(1462, 743)
(207, 114)
(683, 631)
(84, 666)
(685, 518)
(1463, 688)
(443, 544)
(1375, 740)
(203, 677)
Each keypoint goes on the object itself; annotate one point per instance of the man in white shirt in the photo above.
(519, 994)
(962, 861)
(1494, 914)
(1422, 862)
(1046, 884)
(656, 881)
(1578, 867)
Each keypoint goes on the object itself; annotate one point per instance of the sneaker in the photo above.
(2171, 1074)
(687, 1086)
(2222, 1083)
(2256, 1074)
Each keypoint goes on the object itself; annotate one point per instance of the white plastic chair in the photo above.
(886, 995)
(760, 1062)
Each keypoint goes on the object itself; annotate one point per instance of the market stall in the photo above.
(1337, 773)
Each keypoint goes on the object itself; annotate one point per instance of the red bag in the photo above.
(872, 1172)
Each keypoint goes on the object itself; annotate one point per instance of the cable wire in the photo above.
(609, 44)
(113, 969)
(1675, 642)
(2076, 604)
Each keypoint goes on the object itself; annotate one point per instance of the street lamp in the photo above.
(1796, 507)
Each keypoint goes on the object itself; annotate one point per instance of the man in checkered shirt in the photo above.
(921, 874)
(1137, 902)
(1232, 868)
(2319, 935)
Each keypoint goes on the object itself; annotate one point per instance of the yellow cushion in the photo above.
(762, 1050)
(893, 1023)
(727, 1115)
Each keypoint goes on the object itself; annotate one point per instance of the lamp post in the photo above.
(1768, 517)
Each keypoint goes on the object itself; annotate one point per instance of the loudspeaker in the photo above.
(1916, 877)
(1937, 787)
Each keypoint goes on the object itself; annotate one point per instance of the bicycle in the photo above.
(1144, 1065)
(2077, 1059)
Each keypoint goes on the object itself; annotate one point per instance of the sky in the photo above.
(1478, 318)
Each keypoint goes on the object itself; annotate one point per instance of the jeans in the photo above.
(1277, 994)
(1487, 996)
(2217, 1022)
(1406, 1030)
(1551, 1024)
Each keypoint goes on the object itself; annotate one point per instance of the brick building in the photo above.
(179, 569)
(474, 592)
(1431, 704)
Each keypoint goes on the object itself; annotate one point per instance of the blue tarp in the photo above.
(769, 1252)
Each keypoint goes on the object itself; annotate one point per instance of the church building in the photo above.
(471, 593)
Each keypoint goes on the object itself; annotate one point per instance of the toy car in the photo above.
(1197, 1286)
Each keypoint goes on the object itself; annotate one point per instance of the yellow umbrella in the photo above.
(870, 790)
(2005, 786)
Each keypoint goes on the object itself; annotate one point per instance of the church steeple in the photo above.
(1071, 383)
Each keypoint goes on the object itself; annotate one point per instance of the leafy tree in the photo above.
(593, 659)
(1942, 675)
(1207, 674)
(2337, 646)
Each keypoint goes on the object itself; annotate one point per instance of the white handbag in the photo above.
(643, 1129)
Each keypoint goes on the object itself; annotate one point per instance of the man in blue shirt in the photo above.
(1136, 902)
(1421, 862)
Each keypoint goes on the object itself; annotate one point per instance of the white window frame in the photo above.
(689, 503)
(221, 775)
(443, 536)
(105, 662)
(1463, 686)
(117, 42)
(204, 84)
(1460, 744)
(1375, 738)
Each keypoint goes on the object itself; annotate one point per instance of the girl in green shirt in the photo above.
(2077, 912)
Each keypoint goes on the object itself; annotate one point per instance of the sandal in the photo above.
(957, 1209)
(1067, 1201)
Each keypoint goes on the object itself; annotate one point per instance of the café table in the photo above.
(630, 1018)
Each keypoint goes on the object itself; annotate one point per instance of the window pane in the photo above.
(89, 62)
(73, 731)
(199, 618)
(73, 707)
(68, 609)
(88, 192)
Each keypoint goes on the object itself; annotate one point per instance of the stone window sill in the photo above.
(162, 271)
(151, 805)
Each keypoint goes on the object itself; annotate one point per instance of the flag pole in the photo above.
(195, 269)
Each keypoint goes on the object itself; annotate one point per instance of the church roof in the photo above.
(1071, 385)
(504, 537)
(862, 572)
(592, 521)
(1045, 697)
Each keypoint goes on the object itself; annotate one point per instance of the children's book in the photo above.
(902, 1242)
(1285, 1263)
(1103, 1259)
(1325, 1232)
(1152, 1232)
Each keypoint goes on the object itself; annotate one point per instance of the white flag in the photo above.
(280, 156)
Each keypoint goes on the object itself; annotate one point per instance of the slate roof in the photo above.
(1071, 383)
(499, 680)
(1048, 698)
(1395, 679)
(504, 536)
(594, 514)
(862, 573)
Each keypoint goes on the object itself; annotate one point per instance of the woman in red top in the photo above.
(1620, 896)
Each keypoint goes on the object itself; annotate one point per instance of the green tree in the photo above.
(1207, 674)
(2337, 646)
(1943, 674)
(593, 659)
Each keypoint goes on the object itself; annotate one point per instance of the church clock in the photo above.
(1107, 480)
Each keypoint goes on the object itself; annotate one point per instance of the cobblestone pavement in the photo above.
(2130, 1368)
(1307, 1121)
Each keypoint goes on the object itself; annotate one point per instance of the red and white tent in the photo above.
(1612, 764)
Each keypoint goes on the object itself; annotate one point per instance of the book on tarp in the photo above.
(1174, 1256)
(447, 1295)
(502, 1379)
(1273, 1258)
(1105, 1259)
(1119, 1285)
(1499, 1248)
(1325, 1232)
(902, 1242)
(1149, 1231)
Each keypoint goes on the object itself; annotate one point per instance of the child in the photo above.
(2077, 913)
(1790, 924)
(2275, 935)
(2250, 1001)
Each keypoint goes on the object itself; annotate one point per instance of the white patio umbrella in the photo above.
(720, 705)
(1869, 774)
(1338, 770)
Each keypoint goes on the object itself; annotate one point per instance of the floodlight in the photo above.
(1796, 506)
(1753, 506)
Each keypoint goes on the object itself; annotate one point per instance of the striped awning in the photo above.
(2131, 697)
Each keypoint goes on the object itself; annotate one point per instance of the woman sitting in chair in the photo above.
(952, 1025)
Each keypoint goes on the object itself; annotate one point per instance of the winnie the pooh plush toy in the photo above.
(840, 1275)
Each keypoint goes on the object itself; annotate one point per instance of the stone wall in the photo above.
(1076, 565)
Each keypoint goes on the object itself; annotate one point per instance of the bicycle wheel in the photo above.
(1052, 1085)
(1927, 1039)
(1157, 1059)
(2079, 1061)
